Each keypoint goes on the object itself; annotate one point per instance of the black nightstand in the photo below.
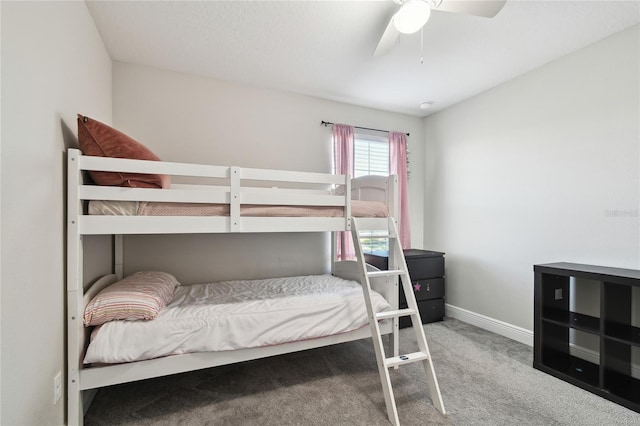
(426, 269)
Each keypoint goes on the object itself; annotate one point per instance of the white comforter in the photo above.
(237, 314)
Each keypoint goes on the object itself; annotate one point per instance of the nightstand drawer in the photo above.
(421, 268)
(430, 311)
(422, 264)
(425, 290)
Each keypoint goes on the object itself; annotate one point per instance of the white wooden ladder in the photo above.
(397, 267)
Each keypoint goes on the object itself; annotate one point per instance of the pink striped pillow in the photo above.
(140, 296)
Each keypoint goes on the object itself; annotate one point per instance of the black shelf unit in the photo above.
(426, 269)
(553, 320)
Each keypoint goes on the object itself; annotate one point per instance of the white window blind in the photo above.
(371, 157)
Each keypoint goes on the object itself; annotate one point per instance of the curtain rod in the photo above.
(327, 123)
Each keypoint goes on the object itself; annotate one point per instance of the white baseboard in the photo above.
(520, 334)
(594, 358)
(584, 353)
(502, 328)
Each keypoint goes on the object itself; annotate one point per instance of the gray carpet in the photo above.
(485, 379)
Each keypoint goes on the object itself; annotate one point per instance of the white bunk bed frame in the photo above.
(328, 190)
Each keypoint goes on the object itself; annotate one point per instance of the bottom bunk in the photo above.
(232, 315)
(207, 325)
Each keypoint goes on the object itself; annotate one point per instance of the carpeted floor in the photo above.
(485, 379)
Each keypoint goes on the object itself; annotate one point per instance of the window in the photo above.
(371, 157)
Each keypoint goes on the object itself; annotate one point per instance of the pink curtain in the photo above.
(398, 165)
(343, 141)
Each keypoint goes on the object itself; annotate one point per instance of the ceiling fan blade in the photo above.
(388, 39)
(486, 8)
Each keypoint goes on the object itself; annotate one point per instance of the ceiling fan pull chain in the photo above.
(422, 45)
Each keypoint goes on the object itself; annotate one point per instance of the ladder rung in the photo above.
(394, 314)
(389, 273)
(405, 359)
(376, 236)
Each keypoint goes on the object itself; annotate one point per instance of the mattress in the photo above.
(141, 208)
(239, 314)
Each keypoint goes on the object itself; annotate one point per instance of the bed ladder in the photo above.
(397, 268)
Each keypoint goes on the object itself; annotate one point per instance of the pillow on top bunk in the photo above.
(98, 139)
(140, 296)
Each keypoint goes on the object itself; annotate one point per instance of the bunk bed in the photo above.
(214, 199)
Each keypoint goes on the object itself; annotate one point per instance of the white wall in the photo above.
(543, 168)
(193, 119)
(54, 65)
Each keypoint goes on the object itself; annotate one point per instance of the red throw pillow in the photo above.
(98, 139)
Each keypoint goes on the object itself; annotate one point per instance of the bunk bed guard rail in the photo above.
(235, 186)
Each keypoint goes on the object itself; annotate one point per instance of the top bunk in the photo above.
(222, 199)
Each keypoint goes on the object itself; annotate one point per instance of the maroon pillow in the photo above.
(98, 139)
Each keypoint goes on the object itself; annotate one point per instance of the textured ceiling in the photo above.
(324, 48)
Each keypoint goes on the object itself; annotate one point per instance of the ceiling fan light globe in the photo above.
(412, 16)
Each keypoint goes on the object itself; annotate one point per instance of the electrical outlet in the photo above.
(558, 293)
(57, 387)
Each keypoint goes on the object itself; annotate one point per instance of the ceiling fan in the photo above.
(413, 14)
